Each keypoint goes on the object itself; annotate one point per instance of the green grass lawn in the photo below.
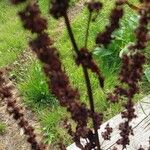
(33, 87)
(13, 39)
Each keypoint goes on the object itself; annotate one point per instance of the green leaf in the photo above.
(102, 52)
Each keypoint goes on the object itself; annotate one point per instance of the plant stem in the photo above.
(73, 41)
(87, 30)
(91, 101)
(86, 76)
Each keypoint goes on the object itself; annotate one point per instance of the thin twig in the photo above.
(87, 30)
(71, 34)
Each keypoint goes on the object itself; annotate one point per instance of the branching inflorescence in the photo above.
(105, 37)
(8, 93)
(84, 58)
(58, 81)
(131, 73)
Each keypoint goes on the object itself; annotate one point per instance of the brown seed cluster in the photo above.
(94, 6)
(30, 18)
(126, 130)
(105, 37)
(132, 66)
(142, 30)
(107, 134)
(86, 60)
(59, 8)
(7, 93)
(130, 74)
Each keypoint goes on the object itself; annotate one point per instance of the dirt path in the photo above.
(13, 138)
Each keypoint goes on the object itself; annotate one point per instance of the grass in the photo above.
(52, 123)
(32, 82)
(35, 89)
(2, 128)
(13, 39)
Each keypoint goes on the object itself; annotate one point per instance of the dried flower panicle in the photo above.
(57, 79)
(130, 74)
(94, 6)
(105, 37)
(132, 65)
(59, 8)
(126, 131)
(86, 60)
(142, 31)
(107, 133)
(32, 20)
(7, 93)
(129, 113)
